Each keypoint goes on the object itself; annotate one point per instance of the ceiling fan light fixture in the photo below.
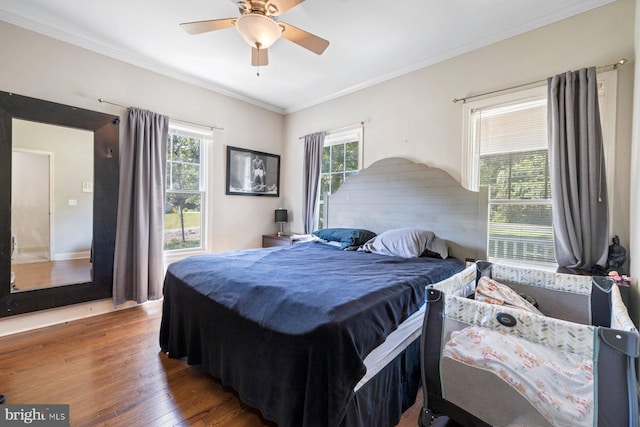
(258, 30)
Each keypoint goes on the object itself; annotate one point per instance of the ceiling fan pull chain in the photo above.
(258, 47)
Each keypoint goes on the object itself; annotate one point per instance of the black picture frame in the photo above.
(252, 173)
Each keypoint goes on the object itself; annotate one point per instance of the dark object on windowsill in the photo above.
(598, 270)
(617, 256)
(2, 398)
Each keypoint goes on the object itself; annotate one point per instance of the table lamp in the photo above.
(281, 218)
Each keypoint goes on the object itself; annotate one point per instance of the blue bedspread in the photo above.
(289, 327)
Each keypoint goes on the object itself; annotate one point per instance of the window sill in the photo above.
(177, 255)
(524, 263)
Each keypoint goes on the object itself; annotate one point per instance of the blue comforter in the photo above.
(289, 327)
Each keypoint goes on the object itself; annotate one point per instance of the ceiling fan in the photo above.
(259, 27)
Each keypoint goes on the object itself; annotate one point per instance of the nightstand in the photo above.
(269, 240)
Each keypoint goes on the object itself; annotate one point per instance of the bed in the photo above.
(554, 349)
(313, 335)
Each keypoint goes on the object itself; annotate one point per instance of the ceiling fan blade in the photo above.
(259, 58)
(199, 27)
(302, 38)
(278, 7)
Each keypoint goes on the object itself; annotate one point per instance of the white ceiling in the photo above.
(371, 40)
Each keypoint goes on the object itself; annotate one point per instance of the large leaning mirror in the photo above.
(58, 213)
(51, 205)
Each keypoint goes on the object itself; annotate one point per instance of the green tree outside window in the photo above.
(183, 193)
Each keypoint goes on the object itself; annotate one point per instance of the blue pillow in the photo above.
(345, 236)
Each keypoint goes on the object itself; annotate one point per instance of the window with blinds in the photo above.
(514, 163)
(505, 146)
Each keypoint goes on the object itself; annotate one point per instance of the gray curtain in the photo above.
(576, 162)
(313, 146)
(138, 266)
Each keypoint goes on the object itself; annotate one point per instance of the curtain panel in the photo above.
(313, 146)
(138, 266)
(577, 170)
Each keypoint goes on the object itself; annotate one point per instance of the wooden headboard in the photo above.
(396, 192)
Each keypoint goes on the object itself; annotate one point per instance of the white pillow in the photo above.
(401, 242)
(437, 246)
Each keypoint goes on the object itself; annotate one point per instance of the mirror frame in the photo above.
(106, 135)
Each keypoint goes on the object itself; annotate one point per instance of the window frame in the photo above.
(338, 138)
(470, 156)
(470, 172)
(205, 137)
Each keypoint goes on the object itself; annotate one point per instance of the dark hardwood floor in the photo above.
(110, 370)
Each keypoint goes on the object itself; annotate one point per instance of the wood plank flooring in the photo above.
(35, 275)
(110, 370)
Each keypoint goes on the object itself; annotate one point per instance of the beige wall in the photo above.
(40, 67)
(413, 115)
(29, 203)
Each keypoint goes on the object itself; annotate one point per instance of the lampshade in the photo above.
(281, 215)
(258, 30)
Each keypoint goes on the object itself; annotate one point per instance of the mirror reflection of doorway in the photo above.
(30, 206)
(51, 206)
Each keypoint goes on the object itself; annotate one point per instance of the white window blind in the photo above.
(514, 128)
(512, 142)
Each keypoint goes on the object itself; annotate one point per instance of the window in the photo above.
(185, 194)
(341, 157)
(514, 164)
(507, 150)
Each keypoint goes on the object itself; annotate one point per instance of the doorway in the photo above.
(31, 228)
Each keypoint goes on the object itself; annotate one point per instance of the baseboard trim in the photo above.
(40, 319)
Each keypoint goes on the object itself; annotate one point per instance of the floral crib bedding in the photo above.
(547, 361)
(500, 364)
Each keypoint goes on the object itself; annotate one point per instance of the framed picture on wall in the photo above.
(252, 173)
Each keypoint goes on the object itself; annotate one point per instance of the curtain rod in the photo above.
(456, 100)
(329, 132)
(172, 118)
